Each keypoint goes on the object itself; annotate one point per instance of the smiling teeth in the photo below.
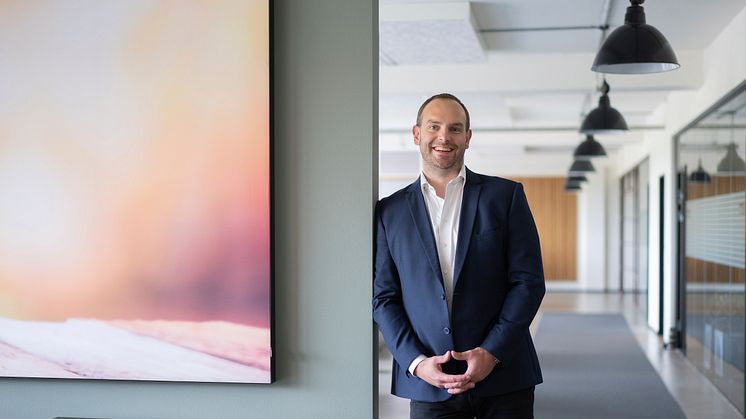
(442, 149)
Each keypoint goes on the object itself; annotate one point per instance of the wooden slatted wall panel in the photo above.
(720, 185)
(555, 212)
(704, 272)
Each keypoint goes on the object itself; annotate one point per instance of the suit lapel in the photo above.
(424, 227)
(466, 223)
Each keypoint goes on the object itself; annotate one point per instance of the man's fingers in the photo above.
(460, 389)
(470, 374)
(430, 371)
(478, 367)
(455, 379)
(457, 384)
(447, 379)
(443, 380)
(461, 356)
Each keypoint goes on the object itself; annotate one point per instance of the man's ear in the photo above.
(416, 134)
(468, 137)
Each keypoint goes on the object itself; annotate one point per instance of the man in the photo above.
(458, 279)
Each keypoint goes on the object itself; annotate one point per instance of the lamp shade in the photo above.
(572, 186)
(589, 149)
(581, 167)
(577, 178)
(732, 163)
(700, 176)
(635, 47)
(604, 119)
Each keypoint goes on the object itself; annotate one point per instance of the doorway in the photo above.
(633, 278)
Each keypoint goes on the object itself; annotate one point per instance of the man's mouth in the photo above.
(443, 149)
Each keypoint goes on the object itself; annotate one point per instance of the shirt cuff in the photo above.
(415, 363)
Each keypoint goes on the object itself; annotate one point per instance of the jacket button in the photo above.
(447, 331)
(442, 296)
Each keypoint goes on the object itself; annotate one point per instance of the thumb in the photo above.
(461, 356)
(442, 359)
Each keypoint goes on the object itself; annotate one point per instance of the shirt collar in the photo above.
(424, 184)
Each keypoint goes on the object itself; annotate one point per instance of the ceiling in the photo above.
(528, 90)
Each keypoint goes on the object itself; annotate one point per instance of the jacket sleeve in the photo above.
(526, 281)
(388, 303)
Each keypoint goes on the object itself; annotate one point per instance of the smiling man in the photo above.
(458, 279)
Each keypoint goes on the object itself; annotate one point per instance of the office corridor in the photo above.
(696, 396)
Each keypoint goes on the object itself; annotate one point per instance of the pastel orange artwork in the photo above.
(134, 190)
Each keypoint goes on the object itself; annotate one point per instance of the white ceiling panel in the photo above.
(428, 33)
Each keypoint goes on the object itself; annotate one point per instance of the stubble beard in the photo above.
(443, 165)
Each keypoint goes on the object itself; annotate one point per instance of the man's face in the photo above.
(442, 135)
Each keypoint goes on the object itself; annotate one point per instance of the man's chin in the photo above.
(447, 165)
(444, 164)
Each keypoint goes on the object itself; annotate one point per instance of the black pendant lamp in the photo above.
(581, 167)
(589, 149)
(700, 176)
(577, 178)
(732, 163)
(635, 47)
(572, 186)
(604, 119)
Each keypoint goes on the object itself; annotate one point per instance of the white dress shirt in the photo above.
(445, 214)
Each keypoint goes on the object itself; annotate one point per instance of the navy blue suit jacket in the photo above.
(498, 286)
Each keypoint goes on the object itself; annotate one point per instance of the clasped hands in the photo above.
(479, 365)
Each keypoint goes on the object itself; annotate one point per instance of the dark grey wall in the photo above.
(325, 165)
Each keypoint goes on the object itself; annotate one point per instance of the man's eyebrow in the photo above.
(435, 121)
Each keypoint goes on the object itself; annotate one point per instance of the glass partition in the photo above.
(710, 158)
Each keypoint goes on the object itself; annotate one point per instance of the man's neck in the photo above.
(439, 179)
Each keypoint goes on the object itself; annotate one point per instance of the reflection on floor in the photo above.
(715, 335)
(697, 397)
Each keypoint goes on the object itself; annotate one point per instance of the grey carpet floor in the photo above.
(593, 367)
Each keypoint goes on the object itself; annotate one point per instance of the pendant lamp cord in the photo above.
(604, 28)
(733, 127)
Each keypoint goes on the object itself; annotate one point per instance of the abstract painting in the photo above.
(135, 190)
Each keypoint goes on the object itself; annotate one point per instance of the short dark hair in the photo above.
(446, 96)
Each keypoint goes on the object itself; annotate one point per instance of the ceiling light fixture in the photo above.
(577, 178)
(588, 149)
(604, 119)
(700, 176)
(635, 47)
(572, 186)
(732, 164)
(581, 167)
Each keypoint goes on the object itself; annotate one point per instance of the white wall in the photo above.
(613, 230)
(592, 232)
(325, 163)
(519, 164)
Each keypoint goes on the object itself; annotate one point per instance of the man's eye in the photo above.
(455, 129)
(432, 127)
